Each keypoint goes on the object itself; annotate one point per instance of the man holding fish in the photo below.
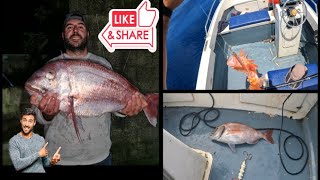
(27, 149)
(86, 138)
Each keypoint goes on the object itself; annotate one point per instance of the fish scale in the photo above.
(85, 88)
(97, 75)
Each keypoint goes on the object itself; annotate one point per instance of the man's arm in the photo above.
(164, 40)
(18, 162)
(46, 161)
(170, 4)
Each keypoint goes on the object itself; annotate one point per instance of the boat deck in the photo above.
(264, 55)
(265, 163)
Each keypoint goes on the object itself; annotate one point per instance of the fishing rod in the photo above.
(293, 82)
(7, 80)
(197, 118)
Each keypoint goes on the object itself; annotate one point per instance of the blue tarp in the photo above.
(185, 40)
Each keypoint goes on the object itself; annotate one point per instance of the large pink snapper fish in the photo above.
(85, 88)
(237, 133)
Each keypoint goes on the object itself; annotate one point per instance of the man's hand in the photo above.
(43, 151)
(49, 104)
(56, 157)
(135, 105)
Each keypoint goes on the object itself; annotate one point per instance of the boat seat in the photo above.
(277, 77)
(249, 18)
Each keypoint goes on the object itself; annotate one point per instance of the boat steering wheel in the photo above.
(292, 12)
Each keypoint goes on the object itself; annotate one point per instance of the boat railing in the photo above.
(205, 26)
(315, 6)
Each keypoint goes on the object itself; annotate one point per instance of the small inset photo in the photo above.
(209, 136)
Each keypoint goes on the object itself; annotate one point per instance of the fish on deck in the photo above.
(237, 133)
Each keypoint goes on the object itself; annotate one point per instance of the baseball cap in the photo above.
(73, 15)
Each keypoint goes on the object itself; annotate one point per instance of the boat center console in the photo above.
(289, 18)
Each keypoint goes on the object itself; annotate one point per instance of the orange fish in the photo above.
(243, 64)
(254, 81)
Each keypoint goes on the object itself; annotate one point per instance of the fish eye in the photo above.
(50, 75)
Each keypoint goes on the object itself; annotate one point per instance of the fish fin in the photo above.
(76, 120)
(232, 147)
(268, 136)
(253, 67)
(151, 111)
(241, 53)
(79, 123)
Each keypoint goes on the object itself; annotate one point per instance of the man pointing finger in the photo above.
(56, 157)
(43, 151)
(27, 149)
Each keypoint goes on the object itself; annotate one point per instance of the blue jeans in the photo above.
(106, 162)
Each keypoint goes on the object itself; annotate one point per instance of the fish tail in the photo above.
(268, 136)
(151, 111)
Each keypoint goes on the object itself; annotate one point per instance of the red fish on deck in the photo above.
(237, 133)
